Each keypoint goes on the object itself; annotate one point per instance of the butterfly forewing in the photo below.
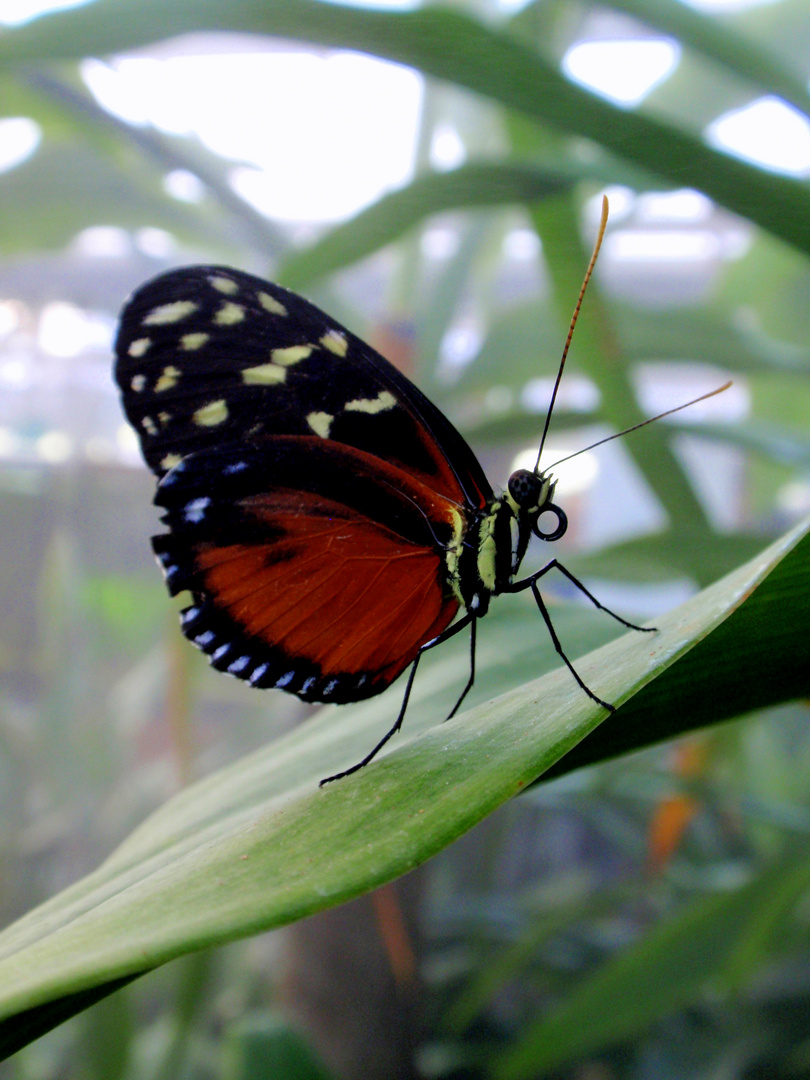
(210, 355)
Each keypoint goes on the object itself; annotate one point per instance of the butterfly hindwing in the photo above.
(312, 567)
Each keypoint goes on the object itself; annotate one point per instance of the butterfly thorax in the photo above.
(484, 560)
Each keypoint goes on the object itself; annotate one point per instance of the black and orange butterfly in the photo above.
(329, 522)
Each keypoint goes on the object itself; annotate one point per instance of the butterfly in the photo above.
(328, 520)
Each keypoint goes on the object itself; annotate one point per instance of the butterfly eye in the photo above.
(562, 523)
(525, 488)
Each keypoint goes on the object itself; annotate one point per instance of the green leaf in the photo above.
(772, 440)
(715, 39)
(258, 1047)
(65, 187)
(477, 184)
(392, 215)
(259, 844)
(759, 656)
(697, 951)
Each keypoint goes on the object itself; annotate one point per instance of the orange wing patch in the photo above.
(339, 591)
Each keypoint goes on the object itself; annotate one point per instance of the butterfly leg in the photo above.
(450, 632)
(471, 680)
(531, 583)
(556, 642)
(519, 586)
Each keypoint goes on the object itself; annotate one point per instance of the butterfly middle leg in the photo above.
(451, 631)
(531, 583)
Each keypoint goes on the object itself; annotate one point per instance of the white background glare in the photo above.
(360, 117)
(622, 71)
(19, 138)
(573, 476)
(768, 132)
(66, 330)
(15, 12)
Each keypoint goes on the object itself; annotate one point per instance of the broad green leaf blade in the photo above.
(258, 844)
(760, 656)
(447, 45)
(676, 964)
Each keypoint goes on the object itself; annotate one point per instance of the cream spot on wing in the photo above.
(269, 303)
(170, 313)
(320, 422)
(381, 403)
(190, 342)
(335, 342)
(229, 314)
(224, 285)
(215, 412)
(138, 383)
(168, 379)
(293, 354)
(164, 418)
(169, 461)
(149, 425)
(264, 375)
(139, 346)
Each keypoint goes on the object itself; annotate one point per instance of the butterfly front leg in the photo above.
(531, 583)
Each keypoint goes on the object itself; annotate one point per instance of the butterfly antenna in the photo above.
(635, 427)
(574, 317)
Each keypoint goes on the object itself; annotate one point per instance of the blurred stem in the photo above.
(105, 1045)
(598, 354)
(193, 984)
(446, 293)
(178, 702)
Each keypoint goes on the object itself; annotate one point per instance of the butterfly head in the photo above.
(531, 494)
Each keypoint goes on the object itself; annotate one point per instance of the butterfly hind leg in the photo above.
(467, 620)
(531, 583)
